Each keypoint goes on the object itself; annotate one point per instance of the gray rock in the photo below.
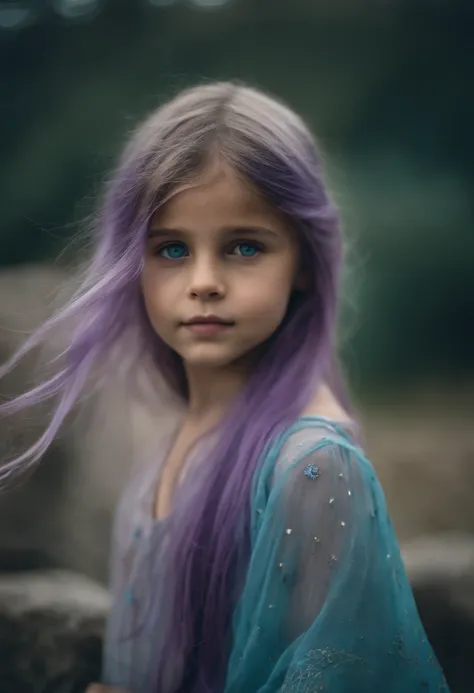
(441, 571)
(51, 632)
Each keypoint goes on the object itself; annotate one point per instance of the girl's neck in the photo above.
(211, 391)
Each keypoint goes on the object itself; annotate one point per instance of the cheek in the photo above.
(156, 295)
(272, 282)
(266, 300)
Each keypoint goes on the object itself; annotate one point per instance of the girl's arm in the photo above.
(327, 605)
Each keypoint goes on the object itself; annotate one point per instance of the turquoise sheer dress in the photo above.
(326, 604)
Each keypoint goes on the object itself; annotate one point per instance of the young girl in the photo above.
(255, 552)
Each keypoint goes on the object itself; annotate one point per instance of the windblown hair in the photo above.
(270, 146)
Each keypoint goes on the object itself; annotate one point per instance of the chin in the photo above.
(209, 363)
(210, 358)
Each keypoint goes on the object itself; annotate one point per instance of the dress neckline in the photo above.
(346, 428)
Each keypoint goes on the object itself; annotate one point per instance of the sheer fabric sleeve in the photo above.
(326, 604)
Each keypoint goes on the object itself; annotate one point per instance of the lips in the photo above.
(207, 326)
(208, 320)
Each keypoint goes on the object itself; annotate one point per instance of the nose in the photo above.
(206, 282)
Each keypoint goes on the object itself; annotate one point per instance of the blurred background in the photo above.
(387, 87)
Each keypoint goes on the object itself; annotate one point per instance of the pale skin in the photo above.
(217, 248)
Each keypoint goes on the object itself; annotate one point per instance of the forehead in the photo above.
(218, 197)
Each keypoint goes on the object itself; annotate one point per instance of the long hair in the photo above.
(270, 146)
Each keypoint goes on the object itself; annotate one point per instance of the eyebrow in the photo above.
(227, 230)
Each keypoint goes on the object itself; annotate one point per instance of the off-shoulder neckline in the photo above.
(346, 427)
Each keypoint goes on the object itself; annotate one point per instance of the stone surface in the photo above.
(441, 571)
(51, 631)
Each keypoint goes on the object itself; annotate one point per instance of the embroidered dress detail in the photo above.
(312, 472)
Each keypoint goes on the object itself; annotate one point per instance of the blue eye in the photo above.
(247, 249)
(173, 251)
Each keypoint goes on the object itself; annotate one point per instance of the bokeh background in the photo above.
(387, 86)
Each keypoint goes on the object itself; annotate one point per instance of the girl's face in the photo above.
(219, 269)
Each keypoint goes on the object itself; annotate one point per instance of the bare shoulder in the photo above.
(325, 404)
(303, 442)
